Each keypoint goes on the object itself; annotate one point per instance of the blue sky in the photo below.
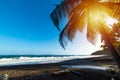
(25, 28)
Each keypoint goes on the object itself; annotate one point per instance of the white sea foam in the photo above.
(37, 60)
(87, 67)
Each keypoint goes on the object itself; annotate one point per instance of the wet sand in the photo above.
(45, 71)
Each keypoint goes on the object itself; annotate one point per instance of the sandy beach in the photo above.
(46, 71)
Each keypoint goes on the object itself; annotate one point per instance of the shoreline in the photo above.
(39, 71)
(39, 59)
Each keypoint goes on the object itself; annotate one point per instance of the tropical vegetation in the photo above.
(99, 16)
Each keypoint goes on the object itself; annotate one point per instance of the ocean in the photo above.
(9, 60)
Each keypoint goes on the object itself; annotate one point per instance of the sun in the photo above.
(98, 15)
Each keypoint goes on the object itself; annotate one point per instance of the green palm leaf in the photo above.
(62, 10)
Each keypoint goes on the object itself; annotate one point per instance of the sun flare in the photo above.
(97, 17)
(110, 21)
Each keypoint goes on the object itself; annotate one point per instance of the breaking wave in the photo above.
(24, 60)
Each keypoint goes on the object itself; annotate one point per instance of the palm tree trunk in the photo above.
(110, 46)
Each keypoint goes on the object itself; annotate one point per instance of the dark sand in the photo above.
(45, 71)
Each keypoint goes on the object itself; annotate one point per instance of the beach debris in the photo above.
(67, 71)
(114, 68)
(115, 75)
(4, 77)
(61, 72)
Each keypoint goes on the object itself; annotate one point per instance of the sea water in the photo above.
(9, 60)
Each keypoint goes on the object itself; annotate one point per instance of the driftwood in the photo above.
(61, 72)
(66, 71)
(4, 77)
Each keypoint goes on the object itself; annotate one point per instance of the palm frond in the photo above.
(92, 30)
(75, 23)
(79, 12)
(63, 37)
(78, 24)
(77, 9)
(91, 35)
(62, 10)
(116, 12)
(112, 1)
(113, 9)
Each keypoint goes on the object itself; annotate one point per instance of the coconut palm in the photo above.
(97, 15)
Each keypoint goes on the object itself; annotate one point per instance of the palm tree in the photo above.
(93, 14)
(114, 35)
